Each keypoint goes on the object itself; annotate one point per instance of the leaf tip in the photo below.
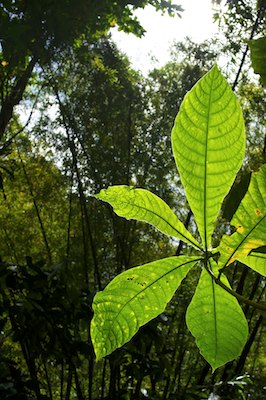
(98, 355)
(99, 195)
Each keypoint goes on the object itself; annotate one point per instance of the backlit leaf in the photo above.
(256, 261)
(217, 321)
(143, 205)
(249, 221)
(133, 298)
(258, 57)
(208, 142)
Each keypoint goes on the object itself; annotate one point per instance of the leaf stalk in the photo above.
(239, 297)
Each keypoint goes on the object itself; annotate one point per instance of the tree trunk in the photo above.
(15, 97)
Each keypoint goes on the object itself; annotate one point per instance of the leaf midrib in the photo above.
(205, 168)
(215, 316)
(243, 240)
(257, 255)
(155, 281)
(167, 222)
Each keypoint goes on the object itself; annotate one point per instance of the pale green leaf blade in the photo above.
(142, 205)
(256, 261)
(133, 298)
(249, 221)
(217, 322)
(208, 141)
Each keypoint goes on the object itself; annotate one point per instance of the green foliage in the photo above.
(258, 57)
(249, 222)
(216, 320)
(20, 230)
(143, 205)
(119, 125)
(255, 260)
(34, 32)
(238, 21)
(39, 316)
(35, 27)
(208, 142)
(120, 315)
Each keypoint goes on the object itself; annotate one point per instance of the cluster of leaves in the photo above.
(243, 20)
(33, 33)
(208, 142)
(39, 316)
(51, 27)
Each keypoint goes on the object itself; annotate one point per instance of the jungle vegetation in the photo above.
(94, 122)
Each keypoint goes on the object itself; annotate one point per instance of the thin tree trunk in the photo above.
(62, 380)
(77, 383)
(15, 97)
(103, 379)
(242, 359)
(69, 382)
(90, 374)
(81, 191)
(112, 382)
(69, 219)
(48, 381)
(25, 347)
(45, 240)
(137, 388)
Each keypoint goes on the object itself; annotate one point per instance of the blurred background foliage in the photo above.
(97, 122)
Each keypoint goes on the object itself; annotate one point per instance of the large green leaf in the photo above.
(256, 261)
(133, 298)
(208, 141)
(258, 57)
(217, 321)
(249, 221)
(143, 205)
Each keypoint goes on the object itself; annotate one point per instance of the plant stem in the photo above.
(238, 296)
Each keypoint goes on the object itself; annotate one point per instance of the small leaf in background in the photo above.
(143, 205)
(208, 142)
(133, 298)
(217, 321)
(249, 221)
(258, 57)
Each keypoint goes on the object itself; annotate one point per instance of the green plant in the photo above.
(258, 57)
(208, 141)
